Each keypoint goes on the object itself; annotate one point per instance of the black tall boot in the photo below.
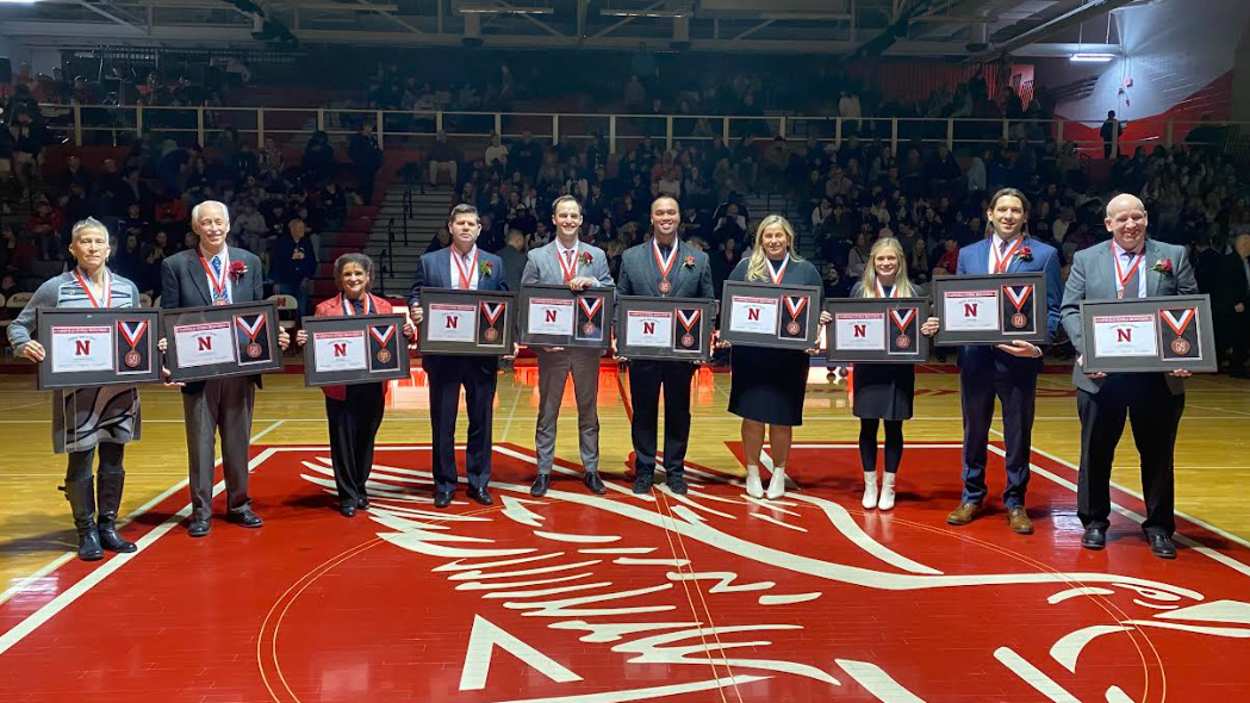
(110, 485)
(81, 497)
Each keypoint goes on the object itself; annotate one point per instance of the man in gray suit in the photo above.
(1129, 266)
(663, 266)
(567, 261)
(216, 274)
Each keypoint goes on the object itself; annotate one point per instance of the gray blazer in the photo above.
(1092, 277)
(640, 274)
(542, 268)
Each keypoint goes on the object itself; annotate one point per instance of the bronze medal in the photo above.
(665, 287)
(902, 341)
(384, 356)
(1180, 346)
(687, 340)
(132, 359)
(588, 328)
(491, 334)
(1019, 320)
(254, 350)
(793, 328)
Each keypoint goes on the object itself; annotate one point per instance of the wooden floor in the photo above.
(1213, 470)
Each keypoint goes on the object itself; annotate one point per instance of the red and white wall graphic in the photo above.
(712, 596)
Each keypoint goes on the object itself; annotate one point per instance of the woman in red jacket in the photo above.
(354, 412)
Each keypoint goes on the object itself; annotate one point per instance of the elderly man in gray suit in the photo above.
(663, 266)
(567, 261)
(1129, 266)
(216, 274)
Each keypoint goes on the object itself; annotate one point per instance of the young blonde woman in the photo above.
(883, 393)
(768, 385)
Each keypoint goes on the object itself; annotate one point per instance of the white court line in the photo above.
(62, 600)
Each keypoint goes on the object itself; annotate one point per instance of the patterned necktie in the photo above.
(1131, 286)
(216, 263)
(568, 256)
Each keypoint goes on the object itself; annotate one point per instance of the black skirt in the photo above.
(884, 391)
(768, 385)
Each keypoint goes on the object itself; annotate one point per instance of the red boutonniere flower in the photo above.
(586, 258)
(485, 269)
(1025, 254)
(1163, 266)
(237, 269)
(688, 262)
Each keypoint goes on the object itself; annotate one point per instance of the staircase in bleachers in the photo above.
(397, 247)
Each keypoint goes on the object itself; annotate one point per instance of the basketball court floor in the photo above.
(578, 598)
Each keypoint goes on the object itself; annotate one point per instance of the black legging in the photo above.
(79, 465)
(868, 444)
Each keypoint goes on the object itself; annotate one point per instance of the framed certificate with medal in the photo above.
(221, 340)
(97, 346)
(764, 315)
(556, 316)
(466, 322)
(350, 349)
(664, 328)
(991, 309)
(866, 330)
(1148, 334)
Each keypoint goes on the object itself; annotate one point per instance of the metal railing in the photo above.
(113, 125)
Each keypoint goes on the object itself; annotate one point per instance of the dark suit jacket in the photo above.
(1231, 286)
(184, 284)
(435, 272)
(640, 274)
(974, 260)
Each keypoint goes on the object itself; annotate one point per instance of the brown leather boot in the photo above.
(1019, 521)
(964, 514)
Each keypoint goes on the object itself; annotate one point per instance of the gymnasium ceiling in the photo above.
(967, 28)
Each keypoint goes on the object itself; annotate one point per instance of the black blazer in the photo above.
(184, 284)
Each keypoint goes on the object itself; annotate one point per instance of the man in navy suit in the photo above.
(462, 266)
(1008, 371)
(1129, 266)
(663, 266)
(215, 274)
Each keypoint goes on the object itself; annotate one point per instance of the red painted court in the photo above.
(574, 597)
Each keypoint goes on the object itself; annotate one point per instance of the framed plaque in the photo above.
(466, 322)
(1149, 334)
(764, 315)
(97, 346)
(866, 330)
(665, 328)
(221, 340)
(346, 350)
(556, 316)
(991, 309)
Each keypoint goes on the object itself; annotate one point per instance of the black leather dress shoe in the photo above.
(677, 484)
(245, 518)
(541, 484)
(1094, 538)
(642, 483)
(1162, 545)
(348, 509)
(198, 528)
(481, 495)
(594, 483)
(442, 499)
(362, 503)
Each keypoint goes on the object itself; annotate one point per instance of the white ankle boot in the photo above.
(887, 492)
(777, 484)
(870, 490)
(754, 488)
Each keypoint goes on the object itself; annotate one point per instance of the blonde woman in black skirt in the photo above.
(767, 386)
(884, 392)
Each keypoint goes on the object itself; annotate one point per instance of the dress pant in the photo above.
(354, 423)
(222, 405)
(646, 378)
(1014, 382)
(478, 376)
(1155, 414)
(553, 370)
